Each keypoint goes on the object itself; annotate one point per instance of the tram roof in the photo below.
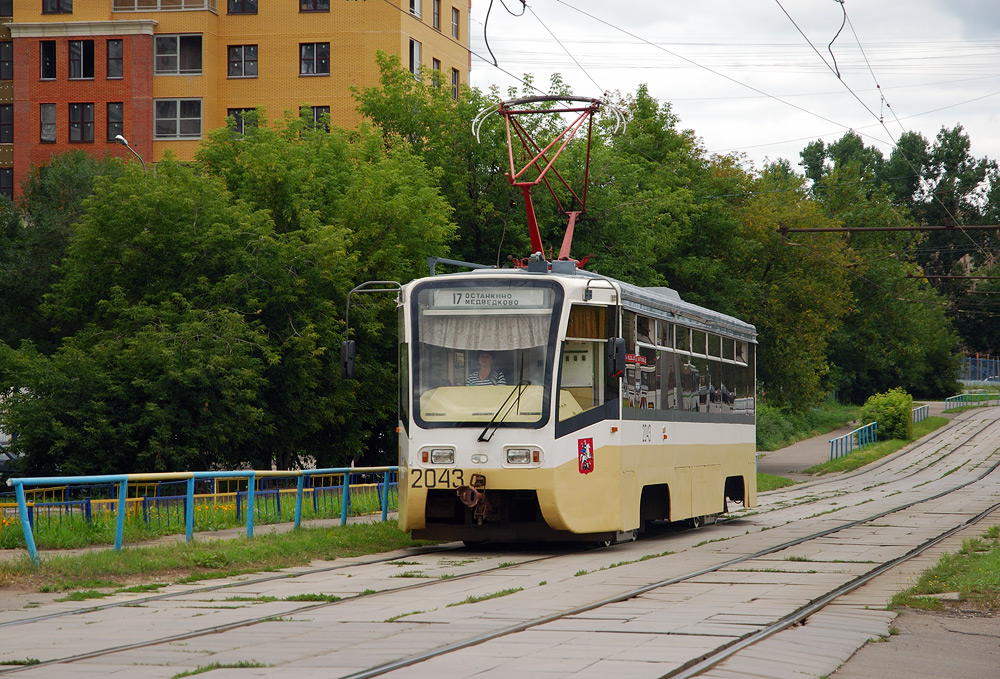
(658, 302)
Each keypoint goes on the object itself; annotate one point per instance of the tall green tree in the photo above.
(34, 233)
(378, 206)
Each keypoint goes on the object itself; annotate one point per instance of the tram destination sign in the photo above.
(489, 298)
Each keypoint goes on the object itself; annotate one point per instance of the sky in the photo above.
(756, 77)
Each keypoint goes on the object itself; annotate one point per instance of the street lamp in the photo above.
(124, 142)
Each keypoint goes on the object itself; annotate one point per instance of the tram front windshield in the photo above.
(483, 351)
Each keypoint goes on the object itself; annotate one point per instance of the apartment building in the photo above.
(163, 73)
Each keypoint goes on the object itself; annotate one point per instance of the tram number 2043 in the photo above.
(436, 478)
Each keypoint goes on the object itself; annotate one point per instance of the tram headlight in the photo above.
(518, 456)
(442, 456)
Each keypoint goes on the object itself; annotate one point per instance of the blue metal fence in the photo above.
(857, 439)
(177, 508)
(920, 413)
(976, 369)
(975, 400)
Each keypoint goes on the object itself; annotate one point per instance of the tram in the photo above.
(611, 407)
(545, 402)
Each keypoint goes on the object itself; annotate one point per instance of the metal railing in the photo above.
(122, 505)
(857, 439)
(920, 413)
(973, 400)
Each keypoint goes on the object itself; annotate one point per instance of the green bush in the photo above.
(893, 411)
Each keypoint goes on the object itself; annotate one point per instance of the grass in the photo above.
(67, 528)
(201, 669)
(778, 428)
(195, 561)
(766, 482)
(973, 572)
(403, 615)
(485, 597)
(860, 458)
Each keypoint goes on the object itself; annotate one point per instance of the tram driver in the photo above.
(486, 374)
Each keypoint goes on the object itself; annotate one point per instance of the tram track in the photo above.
(228, 585)
(442, 549)
(690, 668)
(700, 664)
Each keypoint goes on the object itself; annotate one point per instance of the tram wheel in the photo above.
(696, 521)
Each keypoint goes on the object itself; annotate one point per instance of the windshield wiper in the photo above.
(518, 389)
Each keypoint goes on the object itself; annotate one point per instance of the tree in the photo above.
(33, 237)
(795, 289)
(372, 211)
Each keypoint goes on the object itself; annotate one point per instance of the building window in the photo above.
(48, 59)
(317, 117)
(178, 55)
(314, 5)
(7, 182)
(6, 8)
(454, 83)
(414, 58)
(6, 60)
(243, 61)
(241, 119)
(81, 59)
(47, 114)
(81, 122)
(436, 14)
(6, 123)
(116, 119)
(57, 7)
(415, 8)
(314, 58)
(177, 118)
(454, 23)
(116, 59)
(436, 65)
(242, 6)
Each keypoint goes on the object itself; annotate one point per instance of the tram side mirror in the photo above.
(615, 356)
(347, 351)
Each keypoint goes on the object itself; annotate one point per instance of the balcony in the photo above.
(164, 5)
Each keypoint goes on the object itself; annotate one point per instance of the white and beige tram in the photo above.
(609, 406)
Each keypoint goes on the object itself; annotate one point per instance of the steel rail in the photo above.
(699, 665)
(246, 622)
(214, 588)
(520, 627)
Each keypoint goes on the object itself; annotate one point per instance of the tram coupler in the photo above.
(473, 496)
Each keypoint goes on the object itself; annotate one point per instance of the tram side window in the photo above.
(581, 380)
(644, 329)
(683, 339)
(583, 385)
(714, 345)
(628, 331)
(698, 342)
(667, 373)
(690, 378)
(666, 334)
(640, 379)
(404, 375)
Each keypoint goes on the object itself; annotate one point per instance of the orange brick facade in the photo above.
(153, 96)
